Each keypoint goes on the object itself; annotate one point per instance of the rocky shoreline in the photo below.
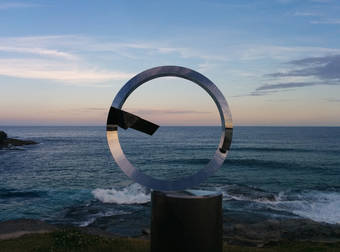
(12, 229)
(6, 142)
(273, 231)
(258, 234)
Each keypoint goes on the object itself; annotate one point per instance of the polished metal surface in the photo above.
(113, 123)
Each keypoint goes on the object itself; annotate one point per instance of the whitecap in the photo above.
(133, 194)
(319, 206)
(315, 205)
(92, 218)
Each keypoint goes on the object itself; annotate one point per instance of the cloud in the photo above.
(333, 100)
(244, 52)
(286, 85)
(326, 21)
(150, 47)
(13, 5)
(285, 1)
(75, 58)
(325, 68)
(52, 58)
(260, 92)
(306, 14)
(38, 51)
(95, 109)
(57, 71)
(99, 111)
(321, 1)
(81, 59)
(255, 52)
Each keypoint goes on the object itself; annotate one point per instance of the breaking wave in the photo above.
(315, 205)
(92, 218)
(133, 194)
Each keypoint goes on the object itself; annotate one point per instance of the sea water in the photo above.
(70, 177)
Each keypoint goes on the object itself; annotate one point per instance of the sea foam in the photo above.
(314, 205)
(133, 194)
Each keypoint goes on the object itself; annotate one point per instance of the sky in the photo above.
(277, 62)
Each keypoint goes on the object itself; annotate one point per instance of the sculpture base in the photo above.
(187, 221)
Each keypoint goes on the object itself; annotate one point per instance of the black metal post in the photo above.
(186, 221)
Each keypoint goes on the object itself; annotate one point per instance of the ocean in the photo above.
(70, 177)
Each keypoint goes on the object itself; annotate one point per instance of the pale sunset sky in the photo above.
(277, 62)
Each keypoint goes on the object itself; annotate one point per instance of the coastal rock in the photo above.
(16, 228)
(3, 136)
(146, 231)
(6, 142)
(262, 233)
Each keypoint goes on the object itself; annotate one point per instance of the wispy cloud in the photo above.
(322, 70)
(87, 110)
(333, 100)
(58, 71)
(286, 85)
(95, 109)
(285, 1)
(51, 58)
(78, 59)
(243, 52)
(306, 14)
(38, 51)
(325, 68)
(12, 5)
(65, 58)
(149, 47)
(326, 21)
(256, 52)
(261, 92)
(321, 1)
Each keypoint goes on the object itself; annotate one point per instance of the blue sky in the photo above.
(276, 62)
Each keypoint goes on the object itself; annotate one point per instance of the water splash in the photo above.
(133, 194)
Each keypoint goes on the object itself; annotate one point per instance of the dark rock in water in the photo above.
(146, 231)
(6, 142)
(3, 136)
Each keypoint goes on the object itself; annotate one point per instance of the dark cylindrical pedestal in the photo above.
(186, 221)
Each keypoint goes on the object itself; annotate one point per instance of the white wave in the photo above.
(315, 205)
(133, 194)
(94, 217)
(245, 194)
(87, 222)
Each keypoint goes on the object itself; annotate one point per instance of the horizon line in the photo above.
(238, 125)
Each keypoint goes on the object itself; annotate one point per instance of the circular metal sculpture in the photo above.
(119, 118)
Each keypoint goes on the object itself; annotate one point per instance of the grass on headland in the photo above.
(74, 240)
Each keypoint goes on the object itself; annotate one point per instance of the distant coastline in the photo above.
(6, 142)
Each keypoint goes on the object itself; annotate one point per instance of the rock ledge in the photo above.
(6, 142)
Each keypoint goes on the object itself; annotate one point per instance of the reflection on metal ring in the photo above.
(126, 120)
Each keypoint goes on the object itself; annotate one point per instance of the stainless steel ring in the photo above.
(220, 154)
